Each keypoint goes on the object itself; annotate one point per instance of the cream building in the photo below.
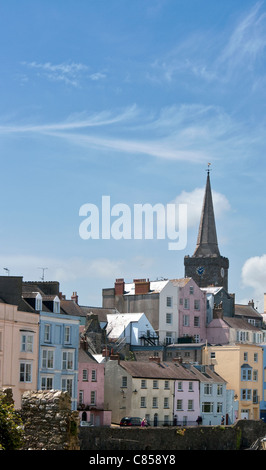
(147, 389)
(241, 365)
(19, 343)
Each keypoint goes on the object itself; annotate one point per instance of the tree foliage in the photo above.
(11, 428)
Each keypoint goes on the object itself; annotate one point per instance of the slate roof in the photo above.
(207, 244)
(101, 312)
(240, 324)
(247, 311)
(69, 307)
(206, 374)
(154, 370)
(85, 357)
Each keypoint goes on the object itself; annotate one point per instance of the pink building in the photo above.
(19, 344)
(218, 332)
(187, 401)
(192, 309)
(91, 391)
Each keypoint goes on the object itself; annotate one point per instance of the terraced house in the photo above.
(151, 390)
(241, 365)
(58, 339)
(38, 344)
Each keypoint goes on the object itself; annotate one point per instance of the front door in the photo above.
(244, 414)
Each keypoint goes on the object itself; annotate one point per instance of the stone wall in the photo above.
(49, 423)
(237, 437)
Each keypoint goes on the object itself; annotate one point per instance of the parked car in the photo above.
(129, 421)
(86, 423)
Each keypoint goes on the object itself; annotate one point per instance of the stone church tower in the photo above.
(206, 266)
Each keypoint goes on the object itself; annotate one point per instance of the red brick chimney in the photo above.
(105, 352)
(119, 286)
(142, 286)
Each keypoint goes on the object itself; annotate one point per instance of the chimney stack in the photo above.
(119, 286)
(142, 286)
(74, 297)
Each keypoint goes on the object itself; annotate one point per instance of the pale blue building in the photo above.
(58, 354)
(212, 395)
(58, 339)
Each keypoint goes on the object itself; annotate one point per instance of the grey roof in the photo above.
(247, 311)
(206, 374)
(101, 312)
(207, 243)
(154, 370)
(85, 356)
(70, 307)
(240, 324)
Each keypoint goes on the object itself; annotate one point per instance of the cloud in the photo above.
(254, 274)
(97, 76)
(248, 40)
(30, 267)
(216, 58)
(69, 73)
(75, 121)
(194, 201)
(194, 132)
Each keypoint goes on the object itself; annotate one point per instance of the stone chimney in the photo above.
(119, 286)
(218, 311)
(251, 303)
(142, 286)
(115, 357)
(74, 297)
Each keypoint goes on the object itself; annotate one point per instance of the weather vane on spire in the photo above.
(208, 169)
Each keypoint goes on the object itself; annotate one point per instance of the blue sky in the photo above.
(131, 99)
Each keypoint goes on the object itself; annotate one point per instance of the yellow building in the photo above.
(241, 365)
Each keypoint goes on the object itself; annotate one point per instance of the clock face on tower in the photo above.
(200, 270)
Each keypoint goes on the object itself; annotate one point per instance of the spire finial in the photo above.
(208, 169)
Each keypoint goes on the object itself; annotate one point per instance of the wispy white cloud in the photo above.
(69, 73)
(97, 76)
(248, 40)
(216, 56)
(194, 133)
(75, 121)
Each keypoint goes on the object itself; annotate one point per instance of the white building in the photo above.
(157, 299)
(131, 326)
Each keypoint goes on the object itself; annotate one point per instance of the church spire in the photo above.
(207, 244)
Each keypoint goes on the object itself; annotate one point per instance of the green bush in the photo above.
(11, 428)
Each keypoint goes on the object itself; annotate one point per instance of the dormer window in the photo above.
(38, 302)
(56, 305)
